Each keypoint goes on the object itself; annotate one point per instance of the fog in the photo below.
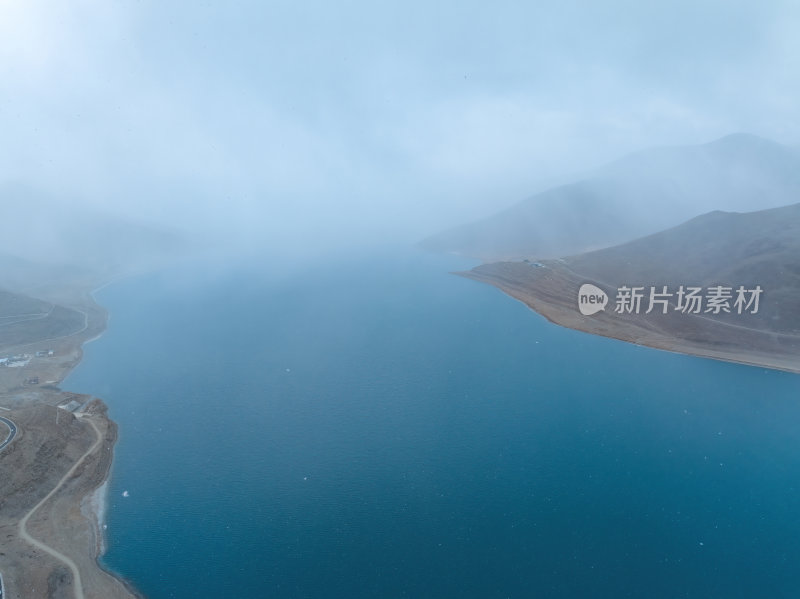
(315, 125)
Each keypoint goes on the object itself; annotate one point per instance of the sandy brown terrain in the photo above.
(552, 291)
(54, 464)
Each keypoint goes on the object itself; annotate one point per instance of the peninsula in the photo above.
(717, 254)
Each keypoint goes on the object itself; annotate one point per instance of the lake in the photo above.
(373, 426)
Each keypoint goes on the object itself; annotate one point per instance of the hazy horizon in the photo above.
(314, 126)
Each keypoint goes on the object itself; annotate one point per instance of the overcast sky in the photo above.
(370, 119)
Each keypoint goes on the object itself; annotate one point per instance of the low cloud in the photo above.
(330, 123)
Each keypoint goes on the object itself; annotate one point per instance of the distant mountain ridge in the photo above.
(754, 248)
(40, 230)
(637, 195)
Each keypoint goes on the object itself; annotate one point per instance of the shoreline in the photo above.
(94, 505)
(94, 508)
(78, 517)
(550, 293)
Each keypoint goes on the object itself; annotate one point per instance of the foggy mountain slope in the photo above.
(40, 230)
(48, 281)
(752, 249)
(12, 305)
(25, 320)
(53, 254)
(634, 196)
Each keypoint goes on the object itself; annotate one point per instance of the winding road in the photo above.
(12, 432)
(23, 532)
(26, 317)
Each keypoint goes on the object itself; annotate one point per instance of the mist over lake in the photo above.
(228, 369)
(372, 426)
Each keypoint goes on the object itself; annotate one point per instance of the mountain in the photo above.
(637, 195)
(750, 250)
(26, 320)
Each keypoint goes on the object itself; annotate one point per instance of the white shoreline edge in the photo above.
(94, 507)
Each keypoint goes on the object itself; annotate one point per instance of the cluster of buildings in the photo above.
(20, 360)
(16, 361)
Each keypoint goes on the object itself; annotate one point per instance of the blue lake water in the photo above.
(375, 427)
